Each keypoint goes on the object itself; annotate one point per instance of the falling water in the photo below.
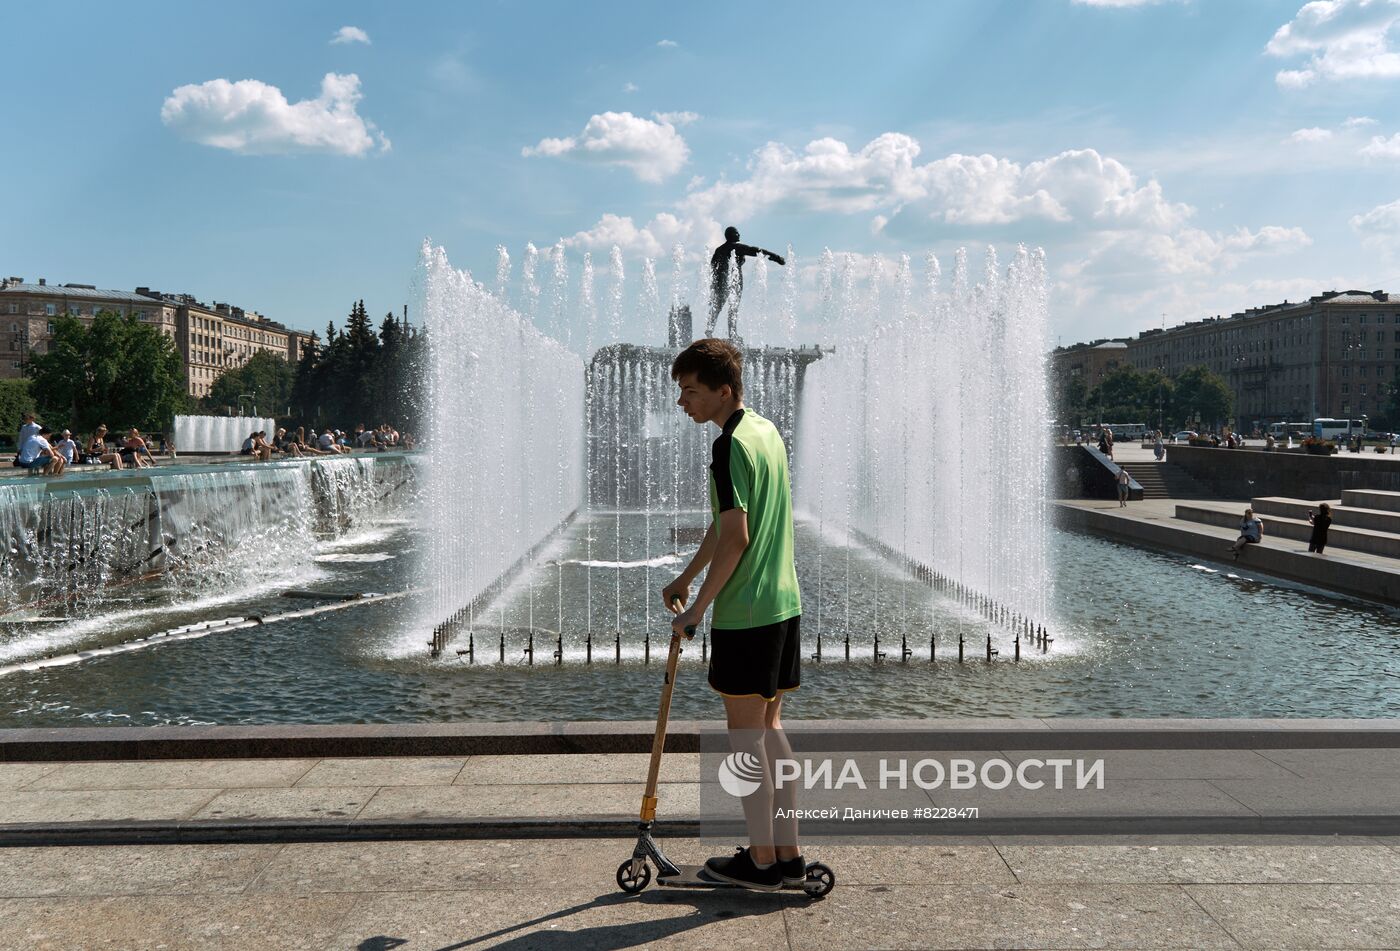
(484, 355)
(977, 426)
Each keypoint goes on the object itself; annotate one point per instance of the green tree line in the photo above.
(122, 372)
(1128, 395)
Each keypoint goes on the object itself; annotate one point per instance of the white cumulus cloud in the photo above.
(651, 150)
(1379, 228)
(255, 118)
(1342, 39)
(1383, 148)
(677, 118)
(1311, 135)
(1357, 122)
(1125, 226)
(350, 34)
(667, 44)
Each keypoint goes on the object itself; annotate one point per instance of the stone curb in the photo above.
(621, 736)
(48, 835)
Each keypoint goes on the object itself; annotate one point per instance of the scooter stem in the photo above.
(658, 743)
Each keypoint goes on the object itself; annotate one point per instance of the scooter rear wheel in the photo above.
(820, 880)
(632, 884)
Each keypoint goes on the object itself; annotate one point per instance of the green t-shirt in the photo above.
(749, 471)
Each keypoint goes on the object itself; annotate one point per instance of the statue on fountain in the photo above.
(719, 278)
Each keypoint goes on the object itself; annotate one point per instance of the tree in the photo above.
(1120, 397)
(1201, 393)
(116, 370)
(15, 401)
(266, 376)
(1071, 400)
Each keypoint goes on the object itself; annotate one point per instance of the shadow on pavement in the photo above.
(710, 906)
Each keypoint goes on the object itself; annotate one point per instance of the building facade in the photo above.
(1333, 355)
(210, 339)
(1090, 362)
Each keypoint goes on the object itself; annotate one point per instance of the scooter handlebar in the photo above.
(689, 628)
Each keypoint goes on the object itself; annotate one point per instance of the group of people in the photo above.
(331, 442)
(1252, 530)
(42, 454)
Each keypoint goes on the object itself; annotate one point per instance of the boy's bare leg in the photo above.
(747, 726)
(785, 798)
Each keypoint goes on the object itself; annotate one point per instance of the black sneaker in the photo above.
(794, 870)
(738, 869)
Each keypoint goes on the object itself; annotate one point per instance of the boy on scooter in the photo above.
(752, 583)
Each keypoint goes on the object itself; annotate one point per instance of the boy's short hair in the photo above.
(714, 362)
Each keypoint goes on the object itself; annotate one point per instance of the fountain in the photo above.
(869, 419)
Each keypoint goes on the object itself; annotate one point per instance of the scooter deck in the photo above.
(693, 876)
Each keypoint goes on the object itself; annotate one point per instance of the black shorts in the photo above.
(757, 661)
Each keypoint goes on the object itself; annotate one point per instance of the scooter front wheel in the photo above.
(820, 880)
(633, 883)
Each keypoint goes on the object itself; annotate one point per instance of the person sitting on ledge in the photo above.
(327, 443)
(97, 451)
(1251, 531)
(67, 447)
(285, 444)
(37, 455)
(134, 447)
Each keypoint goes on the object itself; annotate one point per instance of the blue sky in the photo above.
(1177, 158)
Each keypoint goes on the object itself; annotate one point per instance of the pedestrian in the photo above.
(1123, 487)
(1251, 532)
(1158, 448)
(755, 641)
(1321, 520)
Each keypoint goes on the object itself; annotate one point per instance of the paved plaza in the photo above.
(455, 889)
(1339, 893)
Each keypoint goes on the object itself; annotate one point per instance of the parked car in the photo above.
(1184, 435)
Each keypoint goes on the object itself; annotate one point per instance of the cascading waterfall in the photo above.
(64, 545)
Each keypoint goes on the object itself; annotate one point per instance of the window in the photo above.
(14, 309)
(1361, 318)
(51, 325)
(50, 310)
(1363, 389)
(1346, 319)
(1363, 373)
(72, 311)
(1346, 372)
(1346, 388)
(14, 329)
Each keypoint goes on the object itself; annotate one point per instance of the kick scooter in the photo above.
(634, 874)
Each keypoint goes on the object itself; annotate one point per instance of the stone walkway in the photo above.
(1306, 790)
(946, 891)
(1081, 892)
